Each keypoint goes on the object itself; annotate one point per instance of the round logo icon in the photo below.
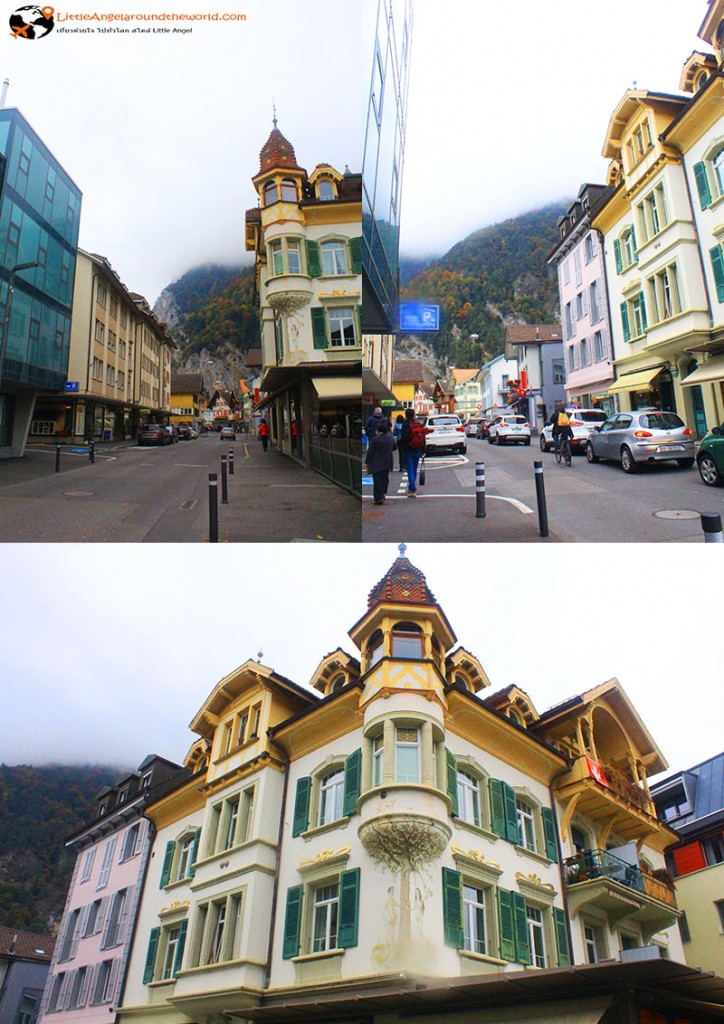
(31, 22)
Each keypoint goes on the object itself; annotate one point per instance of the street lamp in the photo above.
(8, 307)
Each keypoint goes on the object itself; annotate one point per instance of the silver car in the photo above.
(647, 435)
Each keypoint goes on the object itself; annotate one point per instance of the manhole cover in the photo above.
(79, 494)
(676, 513)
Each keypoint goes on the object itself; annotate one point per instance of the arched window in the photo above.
(337, 683)
(717, 163)
(289, 190)
(514, 716)
(406, 640)
(331, 796)
(461, 681)
(375, 647)
(325, 191)
(271, 193)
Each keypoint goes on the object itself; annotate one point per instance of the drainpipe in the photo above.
(275, 890)
(564, 892)
(601, 241)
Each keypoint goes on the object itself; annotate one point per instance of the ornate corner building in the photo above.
(306, 236)
(393, 820)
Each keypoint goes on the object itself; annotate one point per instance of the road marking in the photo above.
(186, 506)
(190, 465)
(495, 497)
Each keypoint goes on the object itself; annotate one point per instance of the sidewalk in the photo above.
(272, 498)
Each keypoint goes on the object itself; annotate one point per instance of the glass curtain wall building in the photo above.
(39, 222)
(388, 29)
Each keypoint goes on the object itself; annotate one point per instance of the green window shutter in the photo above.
(348, 909)
(497, 807)
(643, 312)
(292, 922)
(167, 862)
(702, 185)
(564, 952)
(549, 833)
(506, 923)
(355, 248)
(624, 321)
(178, 959)
(151, 955)
(194, 853)
(452, 782)
(319, 328)
(717, 263)
(522, 943)
(352, 782)
(301, 806)
(617, 254)
(633, 244)
(452, 907)
(314, 260)
(512, 830)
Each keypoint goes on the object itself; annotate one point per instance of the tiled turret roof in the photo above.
(402, 584)
(277, 152)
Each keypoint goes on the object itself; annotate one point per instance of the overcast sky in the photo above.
(509, 104)
(109, 651)
(162, 133)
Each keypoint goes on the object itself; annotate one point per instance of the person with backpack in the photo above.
(412, 439)
(561, 423)
(397, 434)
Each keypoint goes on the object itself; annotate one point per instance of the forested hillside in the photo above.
(495, 276)
(39, 809)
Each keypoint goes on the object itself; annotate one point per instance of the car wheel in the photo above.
(709, 473)
(628, 464)
(685, 463)
(543, 445)
(526, 442)
(490, 438)
(590, 454)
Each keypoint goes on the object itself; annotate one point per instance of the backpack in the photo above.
(563, 419)
(417, 436)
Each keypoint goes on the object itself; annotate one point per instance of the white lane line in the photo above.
(495, 497)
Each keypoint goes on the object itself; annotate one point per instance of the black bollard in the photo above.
(213, 508)
(711, 525)
(231, 461)
(57, 458)
(480, 490)
(224, 486)
(91, 451)
(540, 493)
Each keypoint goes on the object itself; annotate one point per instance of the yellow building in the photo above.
(187, 398)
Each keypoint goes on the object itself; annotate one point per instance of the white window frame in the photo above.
(325, 917)
(526, 815)
(331, 796)
(469, 797)
(536, 935)
(475, 911)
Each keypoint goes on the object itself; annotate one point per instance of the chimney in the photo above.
(4, 93)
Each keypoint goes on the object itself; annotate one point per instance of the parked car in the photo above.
(582, 422)
(227, 433)
(471, 427)
(186, 433)
(172, 431)
(446, 431)
(483, 429)
(154, 433)
(647, 435)
(710, 458)
(509, 429)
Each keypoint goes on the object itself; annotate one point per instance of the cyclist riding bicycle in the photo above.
(561, 423)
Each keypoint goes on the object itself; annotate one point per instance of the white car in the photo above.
(446, 431)
(509, 429)
(582, 423)
(471, 427)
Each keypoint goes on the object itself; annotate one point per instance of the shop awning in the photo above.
(338, 387)
(712, 369)
(637, 381)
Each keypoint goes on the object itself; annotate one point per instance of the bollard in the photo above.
(57, 458)
(224, 488)
(480, 490)
(213, 508)
(91, 451)
(231, 461)
(711, 525)
(540, 493)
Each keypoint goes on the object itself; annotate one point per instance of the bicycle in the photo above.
(563, 450)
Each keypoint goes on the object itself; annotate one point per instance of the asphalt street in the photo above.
(585, 503)
(161, 494)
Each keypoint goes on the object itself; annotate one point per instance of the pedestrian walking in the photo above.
(397, 434)
(413, 441)
(264, 433)
(379, 461)
(373, 422)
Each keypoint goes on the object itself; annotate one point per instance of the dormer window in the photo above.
(337, 683)
(271, 193)
(102, 808)
(701, 80)
(325, 191)
(406, 640)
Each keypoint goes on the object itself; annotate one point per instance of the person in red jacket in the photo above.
(264, 434)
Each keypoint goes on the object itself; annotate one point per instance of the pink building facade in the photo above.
(86, 974)
(578, 259)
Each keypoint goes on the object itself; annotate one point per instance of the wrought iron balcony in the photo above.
(594, 864)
